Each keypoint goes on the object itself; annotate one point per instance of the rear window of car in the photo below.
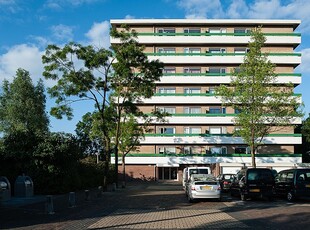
(258, 175)
(228, 177)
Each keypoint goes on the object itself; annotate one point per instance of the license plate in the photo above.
(206, 187)
(254, 190)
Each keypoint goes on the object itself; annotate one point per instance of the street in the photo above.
(160, 205)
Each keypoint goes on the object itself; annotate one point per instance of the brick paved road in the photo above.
(157, 206)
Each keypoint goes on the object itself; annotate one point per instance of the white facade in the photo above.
(208, 35)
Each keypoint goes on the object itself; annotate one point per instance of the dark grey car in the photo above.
(293, 183)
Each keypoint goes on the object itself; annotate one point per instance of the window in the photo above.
(217, 70)
(166, 90)
(218, 150)
(217, 130)
(241, 50)
(191, 90)
(237, 111)
(167, 150)
(242, 30)
(166, 31)
(211, 90)
(192, 130)
(192, 110)
(167, 130)
(242, 150)
(192, 50)
(192, 30)
(192, 70)
(166, 50)
(217, 50)
(169, 70)
(192, 150)
(215, 110)
(170, 110)
(217, 30)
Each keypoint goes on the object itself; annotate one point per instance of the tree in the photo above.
(305, 147)
(99, 74)
(23, 121)
(263, 107)
(130, 133)
(133, 78)
(22, 105)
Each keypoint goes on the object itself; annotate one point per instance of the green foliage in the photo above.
(252, 91)
(22, 105)
(125, 73)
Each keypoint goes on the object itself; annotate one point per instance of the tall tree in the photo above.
(134, 78)
(263, 107)
(100, 73)
(22, 105)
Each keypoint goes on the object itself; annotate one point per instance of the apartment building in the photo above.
(199, 55)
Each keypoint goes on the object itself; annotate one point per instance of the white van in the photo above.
(187, 172)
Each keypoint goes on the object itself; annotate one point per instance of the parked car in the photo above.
(203, 186)
(225, 181)
(253, 182)
(187, 172)
(293, 183)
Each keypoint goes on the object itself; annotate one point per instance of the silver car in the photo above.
(203, 186)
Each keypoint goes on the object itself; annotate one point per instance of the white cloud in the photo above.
(21, 56)
(129, 16)
(201, 8)
(99, 34)
(62, 32)
(259, 9)
(61, 4)
(236, 8)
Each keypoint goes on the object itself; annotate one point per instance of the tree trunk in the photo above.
(253, 156)
(116, 166)
(253, 149)
(124, 171)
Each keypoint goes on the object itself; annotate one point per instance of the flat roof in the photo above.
(278, 22)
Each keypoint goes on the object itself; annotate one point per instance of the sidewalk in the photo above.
(25, 213)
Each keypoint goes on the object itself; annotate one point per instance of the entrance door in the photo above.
(167, 173)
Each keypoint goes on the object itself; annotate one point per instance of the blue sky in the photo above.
(28, 26)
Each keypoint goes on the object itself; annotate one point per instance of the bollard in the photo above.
(72, 200)
(49, 206)
(114, 187)
(100, 191)
(87, 195)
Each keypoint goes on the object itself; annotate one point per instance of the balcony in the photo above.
(221, 58)
(219, 78)
(172, 139)
(214, 38)
(205, 118)
(156, 159)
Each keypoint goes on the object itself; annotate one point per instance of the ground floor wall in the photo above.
(152, 172)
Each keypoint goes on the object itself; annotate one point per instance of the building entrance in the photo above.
(167, 173)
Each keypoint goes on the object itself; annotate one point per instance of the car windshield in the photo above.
(258, 175)
(198, 171)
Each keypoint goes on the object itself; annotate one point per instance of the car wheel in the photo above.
(290, 196)
(243, 197)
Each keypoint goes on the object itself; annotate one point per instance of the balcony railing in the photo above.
(217, 34)
(225, 74)
(215, 135)
(218, 54)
